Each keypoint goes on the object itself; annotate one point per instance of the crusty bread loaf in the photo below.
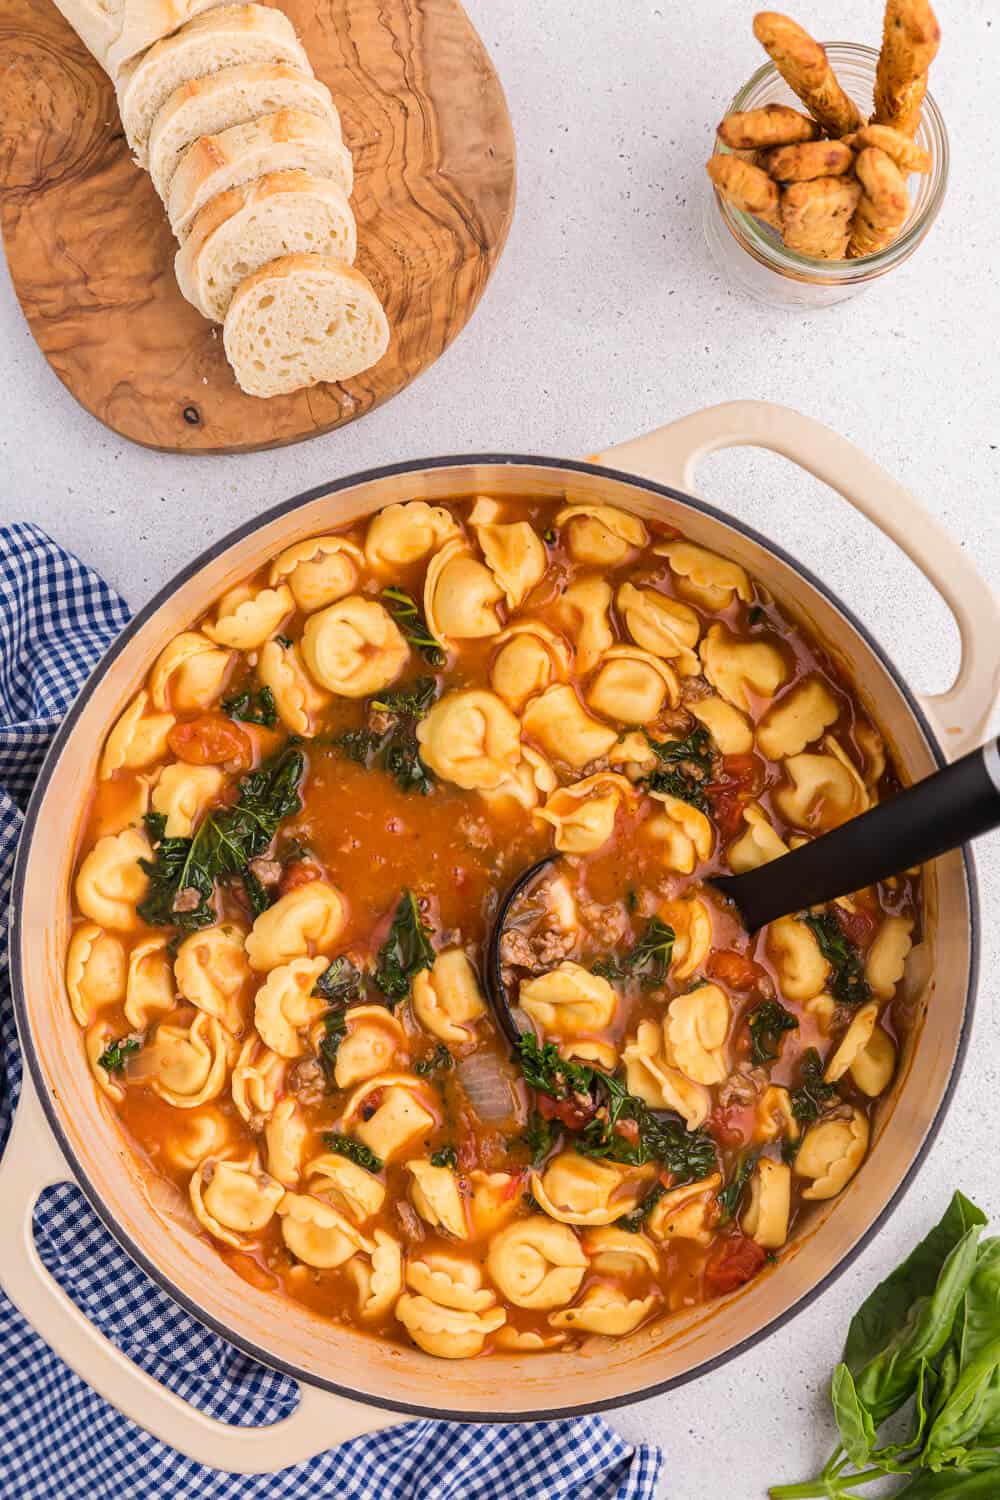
(287, 140)
(141, 23)
(233, 96)
(228, 36)
(94, 22)
(300, 320)
(240, 231)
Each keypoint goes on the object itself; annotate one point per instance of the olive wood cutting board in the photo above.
(91, 253)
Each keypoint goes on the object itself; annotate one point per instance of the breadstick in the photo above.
(810, 159)
(746, 187)
(804, 66)
(774, 125)
(816, 216)
(907, 156)
(910, 40)
(884, 204)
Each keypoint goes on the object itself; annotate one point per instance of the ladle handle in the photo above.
(937, 814)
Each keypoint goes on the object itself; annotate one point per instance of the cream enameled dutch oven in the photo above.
(351, 1384)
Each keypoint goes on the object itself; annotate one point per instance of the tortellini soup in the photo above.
(302, 826)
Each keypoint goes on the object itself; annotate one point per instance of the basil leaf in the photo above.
(882, 1312)
(975, 1481)
(890, 1376)
(857, 1432)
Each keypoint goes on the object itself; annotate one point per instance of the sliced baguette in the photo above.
(240, 231)
(233, 96)
(94, 22)
(142, 23)
(226, 37)
(300, 320)
(287, 140)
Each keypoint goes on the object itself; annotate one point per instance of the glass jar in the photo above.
(752, 254)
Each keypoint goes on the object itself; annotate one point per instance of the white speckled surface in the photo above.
(605, 319)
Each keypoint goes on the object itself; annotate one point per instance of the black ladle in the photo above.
(939, 813)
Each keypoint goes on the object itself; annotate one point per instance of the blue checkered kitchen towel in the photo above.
(60, 1441)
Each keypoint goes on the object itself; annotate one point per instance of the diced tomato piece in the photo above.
(747, 771)
(628, 1130)
(734, 969)
(299, 872)
(467, 1153)
(733, 1262)
(728, 1125)
(211, 740)
(858, 926)
(727, 810)
(572, 1113)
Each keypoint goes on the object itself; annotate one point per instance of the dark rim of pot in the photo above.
(568, 466)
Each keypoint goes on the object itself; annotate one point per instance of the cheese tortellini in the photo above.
(234, 1200)
(298, 700)
(802, 969)
(661, 625)
(470, 738)
(390, 1113)
(211, 971)
(765, 1218)
(695, 1032)
(797, 719)
(374, 1041)
(682, 833)
(189, 1065)
(822, 790)
(652, 1077)
(403, 534)
(310, 917)
(515, 555)
(686, 1213)
(460, 595)
(758, 845)
(584, 611)
(631, 686)
(354, 648)
(190, 674)
(319, 571)
(182, 795)
(574, 1189)
(537, 1262)
(741, 671)
(111, 882)
(446, 999)
(831, 1152)
(139, 739)
(150, 991)
(569, 1000)
(712, 582)
(246, 619)
(886, 958)
(601, 535)
(436, 1197)
(530, 657)
(286, 1005)
(96, 970)
(557, 721)
(583, 815)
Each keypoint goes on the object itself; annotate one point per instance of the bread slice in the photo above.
(142, 23)
(94, 22)
(204, 106)
(226, 37)
(240, 231)
(300, 320)
(287, 140)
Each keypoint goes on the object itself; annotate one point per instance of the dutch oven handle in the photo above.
(31, 1162)
(671, 456)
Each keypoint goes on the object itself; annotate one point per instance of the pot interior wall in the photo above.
(156, 1222)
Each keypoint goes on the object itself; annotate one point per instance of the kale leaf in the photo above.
(405, 952)
(848, 983)
(116, 1054)
(445, 1156)
(406, 612)
(183, 871)
(649, 959)
(546, 1070)
(396, 741)
(340, 983)
(356, 1151)
(729, 1197)
(686, 1154)
(252, 707)
(539, 1136)
(813, 1094)
(768, 1022)
(633, 1223)
(440, 1058)
(685, 767)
